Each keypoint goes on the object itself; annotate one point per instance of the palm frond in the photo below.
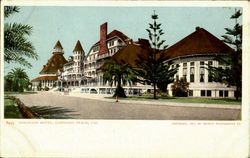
(8, 10)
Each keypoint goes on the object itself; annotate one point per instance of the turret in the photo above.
(58, 49)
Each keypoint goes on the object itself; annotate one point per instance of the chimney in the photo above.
(103, 49)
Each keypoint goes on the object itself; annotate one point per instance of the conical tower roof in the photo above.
(58, 45)
(199, 42)
(56, 62)
(78, 47)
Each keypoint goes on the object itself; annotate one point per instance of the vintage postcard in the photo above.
(124, 79)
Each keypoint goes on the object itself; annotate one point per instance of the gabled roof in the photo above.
(58, 45)
(54, 63)
(78, 47)
(115, 33)
(45, 78)
(128, 55)
(199, 42)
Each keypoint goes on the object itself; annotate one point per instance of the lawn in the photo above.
(185, 100)
(10, 110)
(20, 92)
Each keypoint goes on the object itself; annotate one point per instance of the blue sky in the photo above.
(69, 24)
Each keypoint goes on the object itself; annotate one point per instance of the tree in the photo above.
(16, 45)
(180, 88)
(39, 86)
(230, 73)
(16, 80)
(153, 68)
(118, 74)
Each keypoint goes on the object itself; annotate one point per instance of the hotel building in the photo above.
(192, 54)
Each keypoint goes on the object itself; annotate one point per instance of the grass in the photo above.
(20, 92)
(10, 110)
(185, 100)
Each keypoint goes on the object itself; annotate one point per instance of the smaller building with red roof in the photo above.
(48, 74)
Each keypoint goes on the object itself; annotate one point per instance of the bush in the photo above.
(164, 94)
(180, 88)
(39, 87)
(55, 84)
(46, 88)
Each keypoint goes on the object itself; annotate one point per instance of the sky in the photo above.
(69, 24)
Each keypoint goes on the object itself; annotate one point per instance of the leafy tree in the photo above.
(180, 88)
(39, 86)
(117, 74)
(230, 73)
(16, 44)
(8, 83)
(153, 68)
(16, 80)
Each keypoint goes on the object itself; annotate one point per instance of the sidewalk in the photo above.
(101, 97)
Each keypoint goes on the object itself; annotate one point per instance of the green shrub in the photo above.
(55, 84)
(180, 88)
(46, 88)
(39, 86)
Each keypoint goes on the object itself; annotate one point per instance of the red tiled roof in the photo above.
(54, 63)
(128, 55)
(198, 42)
(58, 44)
(78, 47)
(45, 78)
(115, 33)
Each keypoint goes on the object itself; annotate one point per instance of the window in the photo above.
(221, 93)
(190, 93)
(209, 93)
(203, 93)
(114, 50)
(192, 72)
(210, 63)
(185, 73)
(192, 64)
(225, 93)
(95, 49)
(202, 71)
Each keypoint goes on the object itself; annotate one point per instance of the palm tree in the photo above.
(18, 80)
(16, 45)
(118, 74)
